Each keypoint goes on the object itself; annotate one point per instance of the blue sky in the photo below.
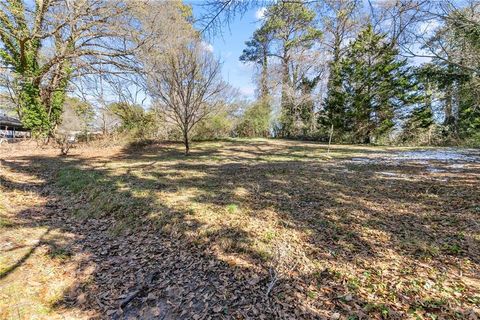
(229, 45)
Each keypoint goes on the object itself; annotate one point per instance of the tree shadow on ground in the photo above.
(150, 258)
(307, 194)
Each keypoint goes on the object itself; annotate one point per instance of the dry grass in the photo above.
(239, 229)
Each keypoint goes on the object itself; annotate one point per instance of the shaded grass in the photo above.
(5, 223)
(351, 240)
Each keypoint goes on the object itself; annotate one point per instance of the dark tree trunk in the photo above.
(285, 104)
(186, 142)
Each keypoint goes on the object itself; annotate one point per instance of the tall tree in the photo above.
(456, 64)
(456, 35)
(257, 51)
(376, 84)
(340, 23)
(292, 27)
(419, 123)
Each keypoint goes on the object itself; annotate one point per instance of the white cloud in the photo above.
(243, 67)
(417, 61)
(207, 46)
(429, 26)
(248, 91)
(260, 13)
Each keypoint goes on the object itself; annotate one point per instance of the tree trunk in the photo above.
(285, 81)
(104, 127)
(264, 76)
(285, 101)
(186, 142)
(448, 108)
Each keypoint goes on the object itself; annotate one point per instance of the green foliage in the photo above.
(257, 47)
(40, 108)
(419, 126)
(292, 23)
(469, 109)
(54, 103)
(465, 27)
(257, 51)
(334, 105)
(292, 26)
(34, 115)
(218, 126)
(454, 75)
(375, 84)
(255, 121)
(306, 107)
(232, 208)
(134, 119)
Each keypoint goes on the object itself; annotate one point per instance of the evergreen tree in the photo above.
(255, 121)
(375, 84)
(306, 108)
(257, 51)
(334, 113)
(469, 113)
(340, 22)
(419, 123)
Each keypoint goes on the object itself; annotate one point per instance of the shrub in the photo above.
(218, 126)
(255, 121)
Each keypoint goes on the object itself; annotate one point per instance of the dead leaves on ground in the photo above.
(262, 236)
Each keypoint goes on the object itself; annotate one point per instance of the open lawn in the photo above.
(241, 229)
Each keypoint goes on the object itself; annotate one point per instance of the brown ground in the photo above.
(247, 229)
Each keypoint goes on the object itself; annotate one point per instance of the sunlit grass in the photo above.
(382, 241)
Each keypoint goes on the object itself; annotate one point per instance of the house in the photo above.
(12, 128)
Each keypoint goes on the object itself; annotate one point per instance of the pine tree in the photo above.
(334, 106)
(257, 51)
(292, 26)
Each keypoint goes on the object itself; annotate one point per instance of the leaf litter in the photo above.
(331, 238)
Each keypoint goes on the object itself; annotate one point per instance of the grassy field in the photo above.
(242, 229)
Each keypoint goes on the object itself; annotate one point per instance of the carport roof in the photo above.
(9, 121)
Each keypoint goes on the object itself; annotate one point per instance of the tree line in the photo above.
(397, 72)
(351, 71)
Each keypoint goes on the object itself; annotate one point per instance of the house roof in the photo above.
(9, 121)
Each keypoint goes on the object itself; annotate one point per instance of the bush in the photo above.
(64, 142)
(219, 126)
(255, 121)
(135, 121)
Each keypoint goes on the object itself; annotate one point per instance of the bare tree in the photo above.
(448, 22)
(186, 84)
(397, 17)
